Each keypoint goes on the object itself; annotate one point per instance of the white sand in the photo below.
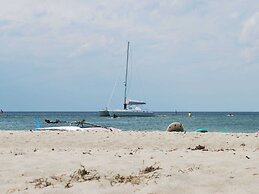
(128, 162)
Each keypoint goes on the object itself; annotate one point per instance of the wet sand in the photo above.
(128, 162)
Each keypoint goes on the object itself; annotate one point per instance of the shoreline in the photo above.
(128, 162)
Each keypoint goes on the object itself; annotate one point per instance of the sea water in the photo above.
(212, 121)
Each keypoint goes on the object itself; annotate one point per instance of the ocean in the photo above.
(212, 121)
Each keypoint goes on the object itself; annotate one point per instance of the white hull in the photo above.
(75, 128)
(130, 113)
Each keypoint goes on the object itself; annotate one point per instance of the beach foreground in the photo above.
(128, 162)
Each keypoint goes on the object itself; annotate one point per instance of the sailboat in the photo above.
(130, 107)
(104, 112)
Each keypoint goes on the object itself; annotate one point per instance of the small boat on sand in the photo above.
(73, 126)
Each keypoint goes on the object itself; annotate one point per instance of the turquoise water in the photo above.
(212, 121)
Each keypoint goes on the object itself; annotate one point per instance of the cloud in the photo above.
(91, 44)
(249, 37)
(75, 24)
(250, 30)
(171, 41)
(250, 53)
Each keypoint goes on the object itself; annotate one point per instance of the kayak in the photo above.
(201, 130)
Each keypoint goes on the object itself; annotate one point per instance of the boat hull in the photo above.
(130, 113)
(75, 128)
(104, 113)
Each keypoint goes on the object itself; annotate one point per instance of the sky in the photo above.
(185, 55)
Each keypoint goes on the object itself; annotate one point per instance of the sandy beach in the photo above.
(128, 162)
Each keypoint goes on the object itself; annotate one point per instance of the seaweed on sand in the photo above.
(146, 174)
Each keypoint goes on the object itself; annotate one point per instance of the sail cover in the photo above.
(135, 102)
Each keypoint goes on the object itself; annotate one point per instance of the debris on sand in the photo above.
(146, 174)
(41, 183)
(83, 175)
(199, 147)
(80, 175)
(150, 169)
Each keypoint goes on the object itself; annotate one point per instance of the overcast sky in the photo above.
(70, 55)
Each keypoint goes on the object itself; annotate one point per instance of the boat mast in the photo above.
(126, 79)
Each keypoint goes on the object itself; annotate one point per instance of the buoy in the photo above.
(175, 127)
(201, 130)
